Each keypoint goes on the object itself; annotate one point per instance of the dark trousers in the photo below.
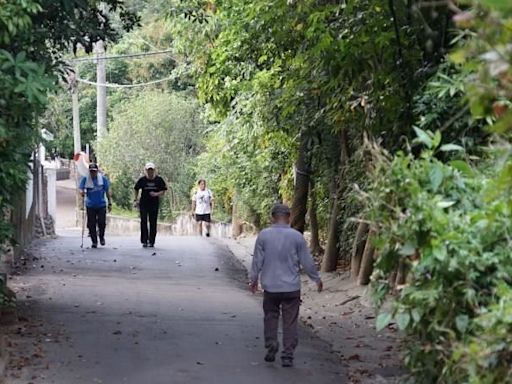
(285, 304)
(148, 213)
(96, 217)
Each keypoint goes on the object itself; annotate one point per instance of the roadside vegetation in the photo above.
(386, 125)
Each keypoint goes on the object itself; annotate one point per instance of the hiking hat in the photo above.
(149, 166)
(93, 167)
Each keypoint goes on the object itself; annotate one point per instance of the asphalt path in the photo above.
(177, 313)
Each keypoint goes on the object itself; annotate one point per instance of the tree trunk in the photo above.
(366, 268)
(300, 192)
(330, 259)
(315, 247)
(358, 249)
(401, 273)
(236, 225)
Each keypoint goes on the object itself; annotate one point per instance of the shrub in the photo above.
(437, 219)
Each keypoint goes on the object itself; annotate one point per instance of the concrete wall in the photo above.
(185, 225)
(51, 185)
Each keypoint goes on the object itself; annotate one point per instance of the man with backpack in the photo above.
(94, 187)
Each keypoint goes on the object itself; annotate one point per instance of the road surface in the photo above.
(178, 313)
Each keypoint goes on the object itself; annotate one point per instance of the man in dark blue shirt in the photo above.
(95, 188)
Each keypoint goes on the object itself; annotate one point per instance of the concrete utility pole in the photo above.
(77, 146)
(101, 89)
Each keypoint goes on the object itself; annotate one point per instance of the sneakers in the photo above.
(151, 245)
(286, 362)
(271, 352)
(145, 245)
(207, 234)
(102, 240)
(94, 245)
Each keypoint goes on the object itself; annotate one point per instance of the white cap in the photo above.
(149, 165)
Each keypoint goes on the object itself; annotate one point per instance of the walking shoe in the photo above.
(207, 234)
(102, 240)
(286, 362)
(271, 352)
(145, 245)
(94, 245)
(151, 245)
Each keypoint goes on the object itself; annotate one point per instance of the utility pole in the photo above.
(73, 84)
(101, 89)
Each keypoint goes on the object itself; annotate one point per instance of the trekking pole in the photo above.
(83, 224)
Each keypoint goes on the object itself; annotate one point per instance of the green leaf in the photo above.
(402, 320)
(463, 167)
(436, 139)
(458, 56)
(436, 177)
(416, 315)
(407, 249)
(451, 147)
(382, 321)
(423, 137)
(461, 322)
(445, 204)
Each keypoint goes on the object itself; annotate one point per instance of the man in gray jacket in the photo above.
(279, 253)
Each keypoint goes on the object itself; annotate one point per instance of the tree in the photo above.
(30, 63)
(160, 127)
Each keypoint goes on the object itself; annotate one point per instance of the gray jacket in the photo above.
(279, 253)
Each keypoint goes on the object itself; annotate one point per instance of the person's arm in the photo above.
(164, 187)
(136, 193)
(81, 187)
(308, 264)
(257, 263)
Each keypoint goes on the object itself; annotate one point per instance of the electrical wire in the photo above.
(130, 55)
(114, 85)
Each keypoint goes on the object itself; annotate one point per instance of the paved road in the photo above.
(66, 200)
(175, 314)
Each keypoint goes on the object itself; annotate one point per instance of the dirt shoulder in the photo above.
(343, 316)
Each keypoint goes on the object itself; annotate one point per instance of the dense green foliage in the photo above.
(33, 35)
(447, 219)
(411, 100)
(160, 127)
(282, 72)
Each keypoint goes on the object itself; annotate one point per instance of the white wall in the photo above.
(51, 177)
(29, 196)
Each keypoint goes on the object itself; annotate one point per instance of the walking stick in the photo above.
(83, 224)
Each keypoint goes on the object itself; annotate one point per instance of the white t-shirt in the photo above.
(203, 201)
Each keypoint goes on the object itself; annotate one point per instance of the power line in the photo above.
(130, 55)
(113, 85)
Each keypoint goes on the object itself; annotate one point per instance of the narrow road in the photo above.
(178, 313)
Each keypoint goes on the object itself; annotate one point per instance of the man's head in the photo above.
(280, 214)
(93, 169)
(150, 169)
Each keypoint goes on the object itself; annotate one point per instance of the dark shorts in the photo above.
(205, 217)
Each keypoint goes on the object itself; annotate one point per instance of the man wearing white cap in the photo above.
(152, 187)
